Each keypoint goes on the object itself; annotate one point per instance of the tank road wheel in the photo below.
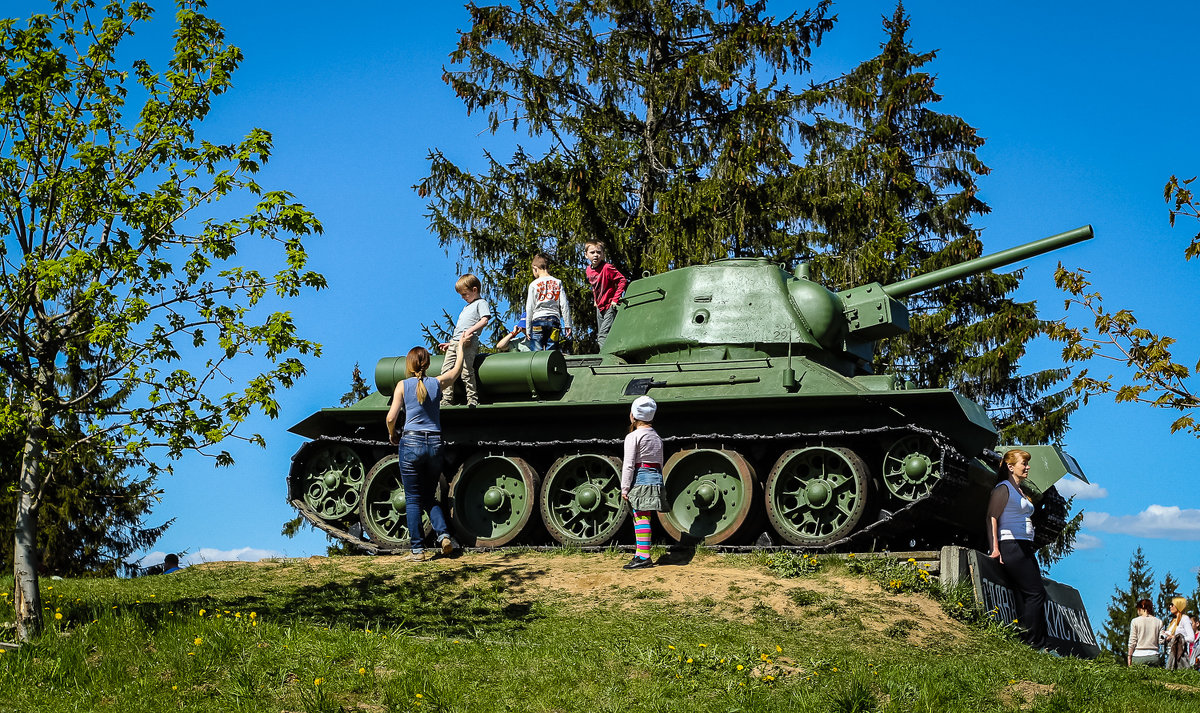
(817, 495)
(492, 498)
(709, 492)
(581, 499)
(911, 467)
(382, 511)
(331, 480)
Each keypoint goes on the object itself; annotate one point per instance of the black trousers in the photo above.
(1023, 569)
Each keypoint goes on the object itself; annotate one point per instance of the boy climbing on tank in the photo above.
(464, 343)
(546, 305)
(515, 341)
(608, 285)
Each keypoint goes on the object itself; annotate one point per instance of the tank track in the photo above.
(1049, 520)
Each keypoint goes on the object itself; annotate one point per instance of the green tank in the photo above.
(776, 432)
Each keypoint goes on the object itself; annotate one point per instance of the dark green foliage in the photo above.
(1114, 636)
(358, 388)
(1064, 544)
(898, 200)
(1168, 588)
(666, 125)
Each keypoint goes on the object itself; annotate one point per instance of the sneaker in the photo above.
(447, 545)
(416, 557)
(639, 563)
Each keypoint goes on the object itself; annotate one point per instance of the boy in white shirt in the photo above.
(546, 307)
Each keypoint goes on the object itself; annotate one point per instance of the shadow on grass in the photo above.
(466, 601)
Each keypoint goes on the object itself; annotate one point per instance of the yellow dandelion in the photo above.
(151, 596)
(362, 671)
(768, 678)
(419, 696)
(202, 612)
(318, 681)
(253, 615)
(191, 653)
(137, 601)
(238, 615)
(850, 556)
(254, 623)
(58, 615)
(198, 641)
(740, 667)
(174, 688)
(669, 646)
(689, 660)
(778, 649)
(835, 669)
(703, 646)
(763, 657)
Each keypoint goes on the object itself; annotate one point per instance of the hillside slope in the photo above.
(561, 631)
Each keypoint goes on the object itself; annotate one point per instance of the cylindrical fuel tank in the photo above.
(528, 373)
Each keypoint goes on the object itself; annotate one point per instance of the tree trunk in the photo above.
(27, 597)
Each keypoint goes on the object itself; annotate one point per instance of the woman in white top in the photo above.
(1010, 540)
(1144, 633)
(1178, 635)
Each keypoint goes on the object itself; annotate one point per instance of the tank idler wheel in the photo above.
(709, 493)
(817, 495)
(383, 505)
(492, 498)
(581, 499)
(331, 480)
(911, 467)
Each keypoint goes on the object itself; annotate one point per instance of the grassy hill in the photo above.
(564, 631)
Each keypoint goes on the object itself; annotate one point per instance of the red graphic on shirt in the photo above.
(547, 291)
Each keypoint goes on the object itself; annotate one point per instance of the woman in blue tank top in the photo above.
(1010, 540)
(421, 447)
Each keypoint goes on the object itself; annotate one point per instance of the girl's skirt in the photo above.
(648, 492)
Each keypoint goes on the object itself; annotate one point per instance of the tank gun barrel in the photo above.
(937, 278)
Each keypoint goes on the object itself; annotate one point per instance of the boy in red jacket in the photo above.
(608, 284)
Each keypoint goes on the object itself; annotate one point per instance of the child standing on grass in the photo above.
(641, 476)
(608, 286)
(463, 344)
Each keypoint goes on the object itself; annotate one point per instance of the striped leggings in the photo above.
(641, 532)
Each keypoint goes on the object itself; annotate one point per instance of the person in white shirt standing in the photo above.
(546, 307)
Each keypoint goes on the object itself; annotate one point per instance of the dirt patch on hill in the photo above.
(734, 587)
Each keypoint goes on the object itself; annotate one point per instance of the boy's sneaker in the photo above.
(447, 545)
(639, 563)
(416, 557)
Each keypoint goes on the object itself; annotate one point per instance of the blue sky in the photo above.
(1087, 109)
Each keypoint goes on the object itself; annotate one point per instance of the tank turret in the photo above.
(773, 423)
(750, 306)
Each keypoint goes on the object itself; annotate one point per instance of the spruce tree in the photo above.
(899, 200)
(1123, 608)
(662, 127)
(1167, 590)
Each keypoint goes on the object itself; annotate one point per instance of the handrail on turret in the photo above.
(937, 278)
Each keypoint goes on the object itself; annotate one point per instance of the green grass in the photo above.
(369, 634)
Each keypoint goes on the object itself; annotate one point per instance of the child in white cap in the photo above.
(641, 476)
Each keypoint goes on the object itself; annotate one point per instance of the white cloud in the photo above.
(210, 554)
(1165, 522)
(1069, 486)
(1084, 541)
(243, 554)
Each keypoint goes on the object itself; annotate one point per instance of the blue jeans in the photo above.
(543, 334)
(420, 467)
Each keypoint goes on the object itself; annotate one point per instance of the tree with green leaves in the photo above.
(92, 520)
(662, 128)
(1123, 608)
(1158, 380)
(1168, 588)
(118, 259)
(358, 388)
(898, 200)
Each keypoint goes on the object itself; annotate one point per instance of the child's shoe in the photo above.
(639, 563)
